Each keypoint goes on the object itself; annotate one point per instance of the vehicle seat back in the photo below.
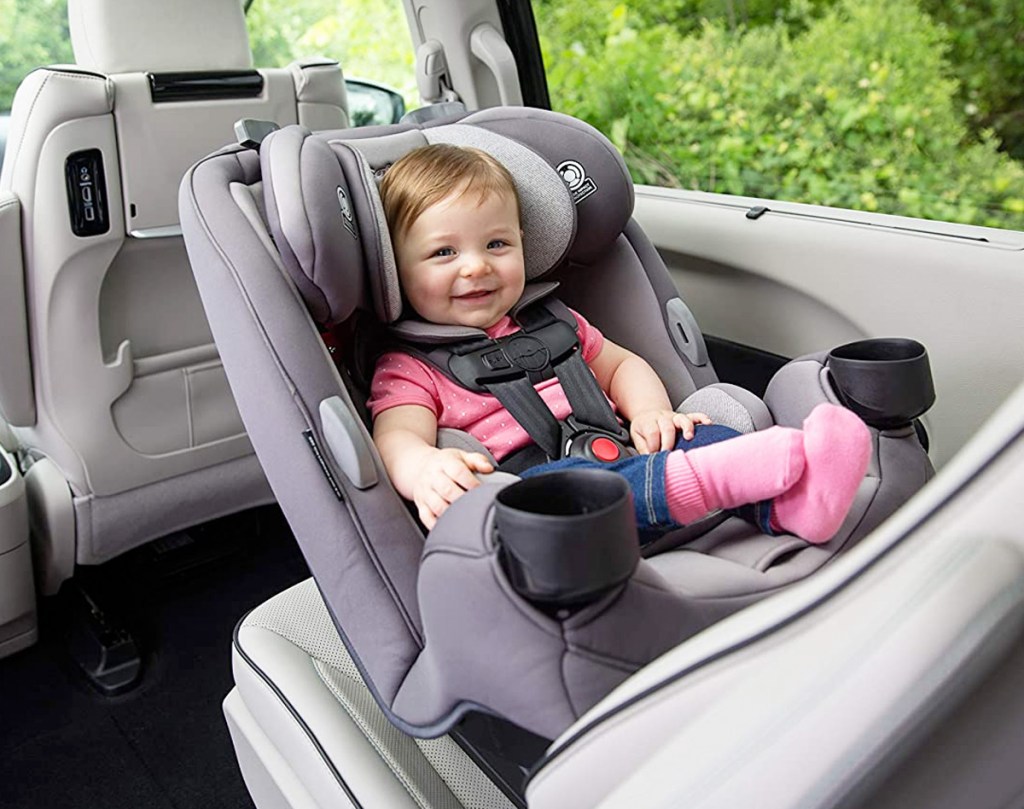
(125, 398)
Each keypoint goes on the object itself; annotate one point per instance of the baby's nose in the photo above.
(475, 265)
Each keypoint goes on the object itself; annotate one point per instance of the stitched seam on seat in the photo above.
(49, 74)
(28, 117)
(368, 733)
(414, 632)
(649, 484)
(188, 407)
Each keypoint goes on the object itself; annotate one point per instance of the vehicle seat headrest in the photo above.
(112, 36)
(328, 223)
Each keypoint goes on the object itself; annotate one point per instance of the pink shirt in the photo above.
(400, 379)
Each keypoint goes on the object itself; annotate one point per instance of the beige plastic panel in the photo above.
(52, 524)
(320, 94)
(159, 142)
(13, 507)
(798, 282)
(81, 377)
(799, 703)
(452, 22)
(17, 589)
(179, 396)
(149, 296)
(17, 404)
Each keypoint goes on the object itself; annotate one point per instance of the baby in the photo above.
(453, 214)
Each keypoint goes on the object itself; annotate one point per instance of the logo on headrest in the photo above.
(527, 353)
(575, 176)
(346, 211)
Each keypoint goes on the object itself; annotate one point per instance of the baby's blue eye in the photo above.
(494, 244)
(444, 252)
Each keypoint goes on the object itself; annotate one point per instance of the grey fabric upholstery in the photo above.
(405, 611)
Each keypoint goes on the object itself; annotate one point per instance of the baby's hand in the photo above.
(446, 476)
(655, 430)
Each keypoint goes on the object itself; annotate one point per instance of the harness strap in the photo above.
(587, 401)
(523, 402)
(509, 367)
(589, 405)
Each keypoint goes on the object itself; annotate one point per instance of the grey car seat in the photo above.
(291, 241)
(119, 410)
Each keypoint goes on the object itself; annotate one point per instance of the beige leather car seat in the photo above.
(109, 379)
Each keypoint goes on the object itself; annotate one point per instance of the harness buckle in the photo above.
(581, 440)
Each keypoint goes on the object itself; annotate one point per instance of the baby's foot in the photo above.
(837, 449)
(746, 469)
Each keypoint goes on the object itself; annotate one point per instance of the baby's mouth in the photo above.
(476, 294)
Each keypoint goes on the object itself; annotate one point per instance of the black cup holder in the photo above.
(567, 536)
(885, 381)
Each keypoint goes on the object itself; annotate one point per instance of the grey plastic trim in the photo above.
(488, 45)
(163, 232)
(685, 333)
(347, 443)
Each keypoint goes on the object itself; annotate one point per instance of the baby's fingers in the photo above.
(478, 462)
(682, 421)
(430, 507)
(639, 440)
(460, 474)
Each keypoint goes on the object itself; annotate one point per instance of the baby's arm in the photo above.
(641, 397)
(432, 478)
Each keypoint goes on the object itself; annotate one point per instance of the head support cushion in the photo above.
(327, 220)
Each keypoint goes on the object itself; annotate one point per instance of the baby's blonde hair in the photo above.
(427, 175)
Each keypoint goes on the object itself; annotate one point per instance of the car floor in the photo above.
(164, 743)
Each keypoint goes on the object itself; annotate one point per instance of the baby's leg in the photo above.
(811, 476)
(745, 469)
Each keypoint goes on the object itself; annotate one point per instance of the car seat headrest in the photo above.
(111, 36)
(328, 223)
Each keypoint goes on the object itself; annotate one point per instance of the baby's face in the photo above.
(461, 261)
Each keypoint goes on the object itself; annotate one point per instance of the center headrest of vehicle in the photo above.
(328, 223)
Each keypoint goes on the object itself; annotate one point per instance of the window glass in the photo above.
(911, 107)
(33, 33)
(370, 38)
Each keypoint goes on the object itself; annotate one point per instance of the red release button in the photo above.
(604, 449)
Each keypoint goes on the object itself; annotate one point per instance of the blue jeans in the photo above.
(646, 477)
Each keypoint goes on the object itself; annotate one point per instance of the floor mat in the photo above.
(164, 743)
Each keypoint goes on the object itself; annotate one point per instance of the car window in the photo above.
(32, 34)
(910, 107)
(368, 37)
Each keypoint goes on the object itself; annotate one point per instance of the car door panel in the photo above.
(802, 278)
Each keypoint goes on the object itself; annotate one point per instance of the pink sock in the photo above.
(837, 449)
(746, 469)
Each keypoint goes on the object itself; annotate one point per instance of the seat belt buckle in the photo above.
(583, 441)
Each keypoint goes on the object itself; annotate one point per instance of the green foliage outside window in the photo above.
(854, 105)
(914, 107)
(32, 33)
(370, 38)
